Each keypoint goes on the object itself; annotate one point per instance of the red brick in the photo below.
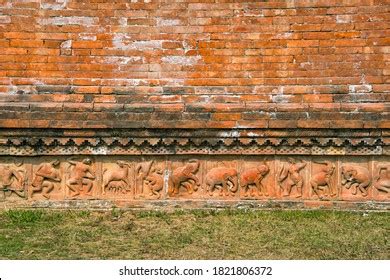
(299, 66)
(77, 107)
(226, 116)
(46, 107)
(107, 107)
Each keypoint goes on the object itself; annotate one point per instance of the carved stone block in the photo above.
(13, 180)
(256, 178)
(81, 178)
(323, 179)
(291, 177)
(381, 180)
(355, 179)
(151, 178)
(117, 179)
(185, 179)
(221, 178)
(47, 181)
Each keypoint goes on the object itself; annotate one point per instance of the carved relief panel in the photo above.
(117, 176)
(151, 179)
(185, 178)
(221, 178)
(47, 180)
(81, 178)
(13, 180)
(256, 178)
(195, 177)
(323, 182)
(291, 178)
(355, 179)
(381, 180)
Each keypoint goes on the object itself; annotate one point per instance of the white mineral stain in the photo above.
(87, 36)
(229, 134)
(124, 42)
(72, 20)
(66, 44)
(119, 59)
(168, 22)
(364, 87)
(343, 18)
(181, 60)
(57, 5)
(285, 35)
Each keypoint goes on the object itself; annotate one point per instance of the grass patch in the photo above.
(197, 234)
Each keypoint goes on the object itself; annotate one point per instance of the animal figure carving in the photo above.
(11, 181)
(382, 180)
(254, 176)
(155, 181)
(321, 182)
(290, 177)
(185, 177)
(45, 178)
(117, 180)
(222, 178)
(356, 178)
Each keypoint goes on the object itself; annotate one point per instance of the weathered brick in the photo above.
(77, 107)
(107, 107)
(46, 107)
(276, 63)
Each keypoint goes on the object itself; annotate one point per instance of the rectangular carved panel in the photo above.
(195, 177)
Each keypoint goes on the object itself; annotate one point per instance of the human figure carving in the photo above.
(45, 178)
(142, 170)
(223, 178)
(321, 182)
(117, 180)
(81, 175)
(254, 176)
(355, 177)
(11, 181)
(290, 177)
(155, 181)
(382, 179)
(185, 176)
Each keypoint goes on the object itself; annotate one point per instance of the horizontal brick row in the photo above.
(248, 108)
(101, 115)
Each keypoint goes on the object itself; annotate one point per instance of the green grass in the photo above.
(198, 234)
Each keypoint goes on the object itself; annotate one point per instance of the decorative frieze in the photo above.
(198, 177)
(197, 167)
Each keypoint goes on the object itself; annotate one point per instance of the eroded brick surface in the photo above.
(195, 64)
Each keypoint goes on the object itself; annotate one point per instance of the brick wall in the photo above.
(194, 64)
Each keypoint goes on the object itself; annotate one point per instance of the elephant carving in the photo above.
(222, 178)
(321, 182)
(254, 176)
(356, 178)
(117, 180)
(185, 177)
